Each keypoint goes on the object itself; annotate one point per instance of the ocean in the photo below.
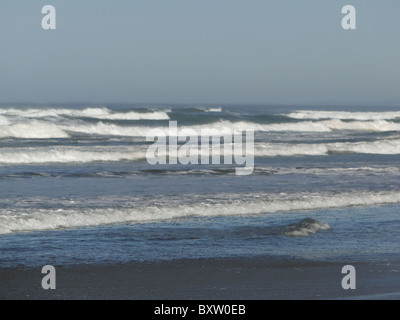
(76, 187)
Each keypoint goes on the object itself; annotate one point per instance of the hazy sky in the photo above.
(200, 51)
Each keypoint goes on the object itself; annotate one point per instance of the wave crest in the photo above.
(306, 227)
(95, 113)
(344, 115)
(39, 129)
(230, 205)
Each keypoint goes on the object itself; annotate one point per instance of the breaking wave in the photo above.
(68, 155)
(216, 109)
(3, 121)
(37, 129)
(344, 115)
(95, 113)
(384, 146)
(32, 130)
(77, 154)
(306, 227)
(18, 220)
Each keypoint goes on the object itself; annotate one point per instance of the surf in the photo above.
(20, 220)
(344, 115)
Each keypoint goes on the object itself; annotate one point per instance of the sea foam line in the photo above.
(39, 129)
(64, 154)
(344, 115)
(53, 219)
(95, 113)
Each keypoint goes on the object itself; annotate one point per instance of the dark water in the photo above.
(76, 187)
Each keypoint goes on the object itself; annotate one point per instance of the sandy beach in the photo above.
(214, 279)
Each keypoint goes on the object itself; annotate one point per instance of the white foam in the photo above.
(216, 109)
(68, 155)
(72, 154)
(332, 125)
(46, 129)
(306, 227)
(155, 115)
(95, 113)
(210, 129)
(3, 121)
(107, 129)
(32, 130)
(377, 125)
(225, 205)
(378, 170)
(344, 115)
(384, 146)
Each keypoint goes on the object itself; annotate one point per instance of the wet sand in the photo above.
(205, 279)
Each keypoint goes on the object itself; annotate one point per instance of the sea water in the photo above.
(76, 188)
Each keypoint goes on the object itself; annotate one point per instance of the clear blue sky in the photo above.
(200, 51)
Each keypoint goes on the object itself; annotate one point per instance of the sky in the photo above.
(200, 51)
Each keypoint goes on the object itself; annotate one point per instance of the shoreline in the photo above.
(204, 279)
